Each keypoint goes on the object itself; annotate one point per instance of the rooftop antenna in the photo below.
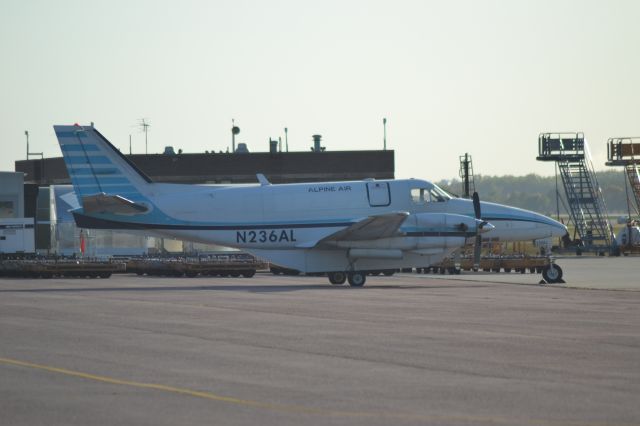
(384, 126)
(129, 144)
(286, 138)
(144, 126)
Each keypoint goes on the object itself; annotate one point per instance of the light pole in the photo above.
(234, 131)
(41, 154)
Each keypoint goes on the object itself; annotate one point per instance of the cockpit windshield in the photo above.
(422, 195)
(439, 194)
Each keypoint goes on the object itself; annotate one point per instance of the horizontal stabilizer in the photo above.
(115, 204)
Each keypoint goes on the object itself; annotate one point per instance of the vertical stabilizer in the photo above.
(95, 166)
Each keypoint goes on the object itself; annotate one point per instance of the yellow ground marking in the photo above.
(283, 408)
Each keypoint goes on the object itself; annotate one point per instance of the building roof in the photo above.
(280, 167)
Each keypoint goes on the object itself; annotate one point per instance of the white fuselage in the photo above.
(288, 216)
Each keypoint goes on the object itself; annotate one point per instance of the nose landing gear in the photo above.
(552, 274)
(337, 278)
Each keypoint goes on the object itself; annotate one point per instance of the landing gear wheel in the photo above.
(356, 279)
(337, 278)
(552, 273)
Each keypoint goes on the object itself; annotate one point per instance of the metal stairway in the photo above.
(626, 152)
(584, 197)
(633, 174)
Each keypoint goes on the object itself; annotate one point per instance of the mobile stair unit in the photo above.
(585, 202)
(625, 152)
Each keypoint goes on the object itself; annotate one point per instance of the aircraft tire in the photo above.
(357, 278)
(552, 273)
(337, 278)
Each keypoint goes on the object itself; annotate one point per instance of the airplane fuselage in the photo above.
(286, 216)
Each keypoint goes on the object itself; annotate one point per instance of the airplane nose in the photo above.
(557, 229)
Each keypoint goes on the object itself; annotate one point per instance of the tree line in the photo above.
(538, 193)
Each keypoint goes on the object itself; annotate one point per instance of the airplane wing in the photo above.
(370, 228)
(105, 203)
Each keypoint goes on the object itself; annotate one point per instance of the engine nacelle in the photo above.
(443, 222)
(422, 231)
(375, 253)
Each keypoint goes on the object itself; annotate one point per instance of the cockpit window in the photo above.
(420, 195)
(427, 195)
(438, 194)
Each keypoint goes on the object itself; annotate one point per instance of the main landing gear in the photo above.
(337, 278)
(356, 278)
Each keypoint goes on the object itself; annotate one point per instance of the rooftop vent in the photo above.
(316, 144)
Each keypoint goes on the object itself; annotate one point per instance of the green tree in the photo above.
(538, 193)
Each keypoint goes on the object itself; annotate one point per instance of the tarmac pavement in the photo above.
(409, 349)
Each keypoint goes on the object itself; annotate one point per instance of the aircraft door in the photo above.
(379, 194)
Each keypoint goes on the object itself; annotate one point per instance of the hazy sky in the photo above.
(483, 77)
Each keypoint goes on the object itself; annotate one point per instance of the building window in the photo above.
(7, 209)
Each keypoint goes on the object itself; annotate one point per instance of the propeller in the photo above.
(478, 244)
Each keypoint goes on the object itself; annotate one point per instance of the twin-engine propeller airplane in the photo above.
(343, 229)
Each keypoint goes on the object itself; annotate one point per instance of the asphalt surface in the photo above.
(409, 349)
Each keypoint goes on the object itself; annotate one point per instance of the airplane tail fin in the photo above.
(102, 177)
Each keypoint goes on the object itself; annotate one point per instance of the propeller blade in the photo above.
(476, 205)
(478, 243)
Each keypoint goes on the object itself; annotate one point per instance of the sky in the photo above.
(477, 76)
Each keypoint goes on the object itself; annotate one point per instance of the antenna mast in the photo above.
(384, 125)
(144, 125)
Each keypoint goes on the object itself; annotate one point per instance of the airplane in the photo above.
(343, 229)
